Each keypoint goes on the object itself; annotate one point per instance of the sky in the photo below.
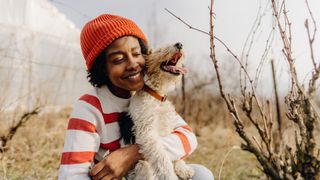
(233, 22)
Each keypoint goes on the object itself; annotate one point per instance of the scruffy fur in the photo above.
(153, 119)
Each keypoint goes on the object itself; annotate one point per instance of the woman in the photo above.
(113, 48)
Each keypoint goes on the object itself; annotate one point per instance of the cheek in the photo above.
(142, 61)
(111, 72)
(114, 72)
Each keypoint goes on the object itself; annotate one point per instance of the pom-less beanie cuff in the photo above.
(100, 32)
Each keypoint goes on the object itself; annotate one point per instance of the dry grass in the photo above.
(34, 153)
(218, 145)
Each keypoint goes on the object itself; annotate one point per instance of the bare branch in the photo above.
(311, 38)
(191, 27)
(4, 139)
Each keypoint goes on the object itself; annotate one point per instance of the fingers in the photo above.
(103, 174)
(109, 177)
(97, 168)
(106, 174)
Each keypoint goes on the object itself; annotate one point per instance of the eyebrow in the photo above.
(120, 52)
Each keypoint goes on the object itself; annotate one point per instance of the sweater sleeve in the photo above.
(81, 142)
(181, 142)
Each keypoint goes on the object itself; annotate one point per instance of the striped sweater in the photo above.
(93, 132)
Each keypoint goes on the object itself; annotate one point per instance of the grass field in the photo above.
(34, 152)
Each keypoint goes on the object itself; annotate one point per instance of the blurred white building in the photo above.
(40, 56)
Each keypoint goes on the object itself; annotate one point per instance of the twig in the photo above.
(14, 128)
(311, 38)
(191, 27)
(264, 55)
(251, 36)
(224, 158)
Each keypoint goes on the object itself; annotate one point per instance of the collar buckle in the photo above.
(164, 98)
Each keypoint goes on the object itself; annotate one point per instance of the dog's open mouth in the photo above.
(170, 65)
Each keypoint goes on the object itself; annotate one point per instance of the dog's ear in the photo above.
(149, 51)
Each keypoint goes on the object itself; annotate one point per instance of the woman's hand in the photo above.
(116, 164)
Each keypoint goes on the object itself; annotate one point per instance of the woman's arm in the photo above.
(181, 142)
(81, 142)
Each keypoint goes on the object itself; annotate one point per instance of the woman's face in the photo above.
(124, 66)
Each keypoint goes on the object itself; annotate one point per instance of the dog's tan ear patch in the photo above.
(149, 51)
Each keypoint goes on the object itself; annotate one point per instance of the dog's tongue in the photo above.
(182, 70)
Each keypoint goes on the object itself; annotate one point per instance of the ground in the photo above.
(34, 152)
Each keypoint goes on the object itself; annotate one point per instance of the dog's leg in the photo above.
(141, 171)
(182, 170)
(153, 152)
(144, 171)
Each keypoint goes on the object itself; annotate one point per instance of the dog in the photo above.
(150, 117)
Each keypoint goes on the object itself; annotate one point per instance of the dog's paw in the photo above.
(167, 177)
(186, 174)
(183, 171)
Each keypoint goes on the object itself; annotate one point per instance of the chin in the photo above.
(138, 86)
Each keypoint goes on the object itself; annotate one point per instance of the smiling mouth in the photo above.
(170, 65)
(133, 76)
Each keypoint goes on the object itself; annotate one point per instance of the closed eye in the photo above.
(118, 60)
(136, 55)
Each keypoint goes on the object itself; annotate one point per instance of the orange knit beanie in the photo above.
(98, 33)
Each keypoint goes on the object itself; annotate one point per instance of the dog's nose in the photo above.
(178, 45)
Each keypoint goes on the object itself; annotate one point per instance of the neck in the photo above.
(119, 92)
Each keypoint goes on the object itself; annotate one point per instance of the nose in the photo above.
(133, 63)
(178, 45)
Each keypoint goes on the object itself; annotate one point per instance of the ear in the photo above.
(149, 51)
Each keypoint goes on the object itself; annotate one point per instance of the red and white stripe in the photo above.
(181, 142)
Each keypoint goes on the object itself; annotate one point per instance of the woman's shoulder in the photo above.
(102, 99)
(87, 111)
(90, 97)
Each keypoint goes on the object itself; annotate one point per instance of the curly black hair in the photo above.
(97, 77)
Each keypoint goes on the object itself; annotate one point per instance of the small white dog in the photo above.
(153, 116)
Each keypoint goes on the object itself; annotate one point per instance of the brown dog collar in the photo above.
(154, 93)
